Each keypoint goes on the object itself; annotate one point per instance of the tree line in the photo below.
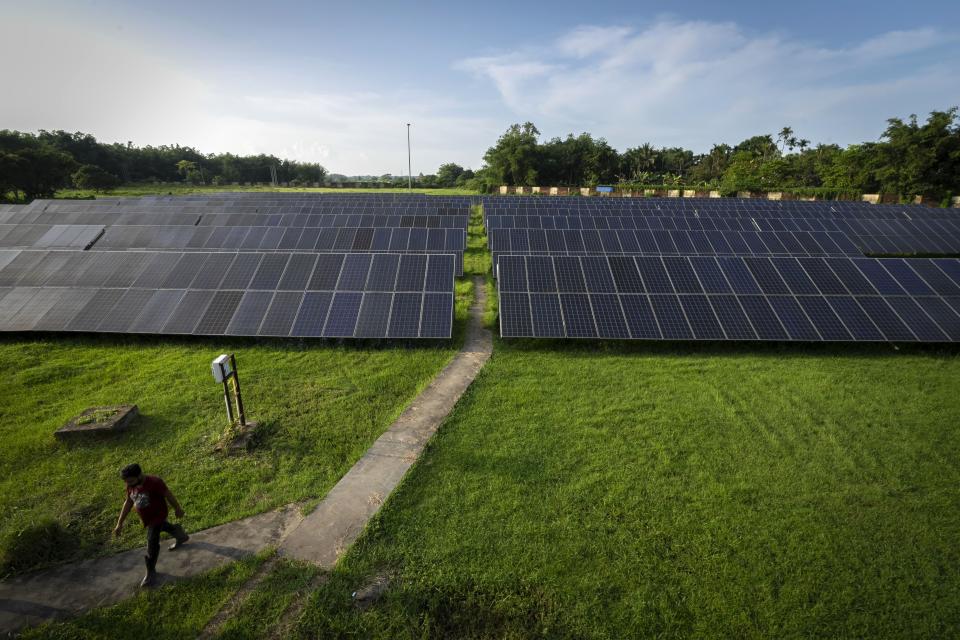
(37, 165)
(909, 158)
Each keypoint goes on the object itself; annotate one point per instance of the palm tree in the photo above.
(784, 136)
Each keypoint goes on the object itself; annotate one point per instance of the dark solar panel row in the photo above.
(322, 295)
(926, 229)
(327, 314)
(117, 218)
(227, 270)
(662, 242)
(707, 207)
(398, 240)
(730, 298)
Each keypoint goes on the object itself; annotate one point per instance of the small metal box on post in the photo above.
(224, 369)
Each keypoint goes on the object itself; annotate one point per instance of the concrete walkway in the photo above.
(71, 589)
(319, 538)
(325, 534)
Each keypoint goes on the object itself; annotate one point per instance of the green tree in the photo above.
(448, 174)
(920, 159)
(189, 170)
(90, 176)
(638, 161)
(514, 159)
(35, 171)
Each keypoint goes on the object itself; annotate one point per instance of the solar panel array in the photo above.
(728, 270)
(353, 295)
(250, 264)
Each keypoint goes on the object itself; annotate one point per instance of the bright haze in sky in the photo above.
(336, 83)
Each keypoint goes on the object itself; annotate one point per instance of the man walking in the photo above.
(149, 496)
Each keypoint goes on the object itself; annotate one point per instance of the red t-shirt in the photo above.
(149, 499)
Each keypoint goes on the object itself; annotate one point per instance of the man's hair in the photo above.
(131, 471)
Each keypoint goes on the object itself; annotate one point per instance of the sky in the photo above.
(337, 83)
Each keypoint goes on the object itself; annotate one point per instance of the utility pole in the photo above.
(409, 165)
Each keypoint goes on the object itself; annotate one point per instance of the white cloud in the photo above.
(698, 83)
(119, 88)
(588, 40)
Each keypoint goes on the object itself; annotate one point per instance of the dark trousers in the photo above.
(153, 541)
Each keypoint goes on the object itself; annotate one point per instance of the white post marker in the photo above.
(224, 369)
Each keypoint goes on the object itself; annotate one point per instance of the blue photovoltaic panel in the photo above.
(383, 272)
(803, 313)
(710, 275)
(515, 315)
(578, 316)
(411, 273)
(547, 319)
(405, 315)
(886, 319)
(312, 314)
(356, 267)
(654, 275)
(609, 316)
(569, 275)
(762, 317)
(913, 284)
(437, 315)
(326, 272)
(701, 317)
(640, 319)
(189, 310)
(794, 318)
(851, 320)
(440, 268)
(625, 275)
(670, 317)
(283, 310)
(342, 319)
(823, 318)
(734, 321)
(374, 316)
(681, 275)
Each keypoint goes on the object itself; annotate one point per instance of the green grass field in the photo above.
(603, 491)
(321, 406)
(137, 190)
(614, 490)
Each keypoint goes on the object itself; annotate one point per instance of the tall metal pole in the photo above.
(409, 165)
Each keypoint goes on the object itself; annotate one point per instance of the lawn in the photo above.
(610, 491)
(321, 405)
(606, 492)
(137, 190)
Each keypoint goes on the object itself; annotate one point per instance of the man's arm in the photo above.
(177, 509)
(127, 505)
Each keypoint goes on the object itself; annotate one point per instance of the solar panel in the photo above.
(312, 315)
(283, 311)
(374, 315)
(342, 318)
(219, 313)
(811, 302)
(156, 311)
(125, 311)
(230, 293)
